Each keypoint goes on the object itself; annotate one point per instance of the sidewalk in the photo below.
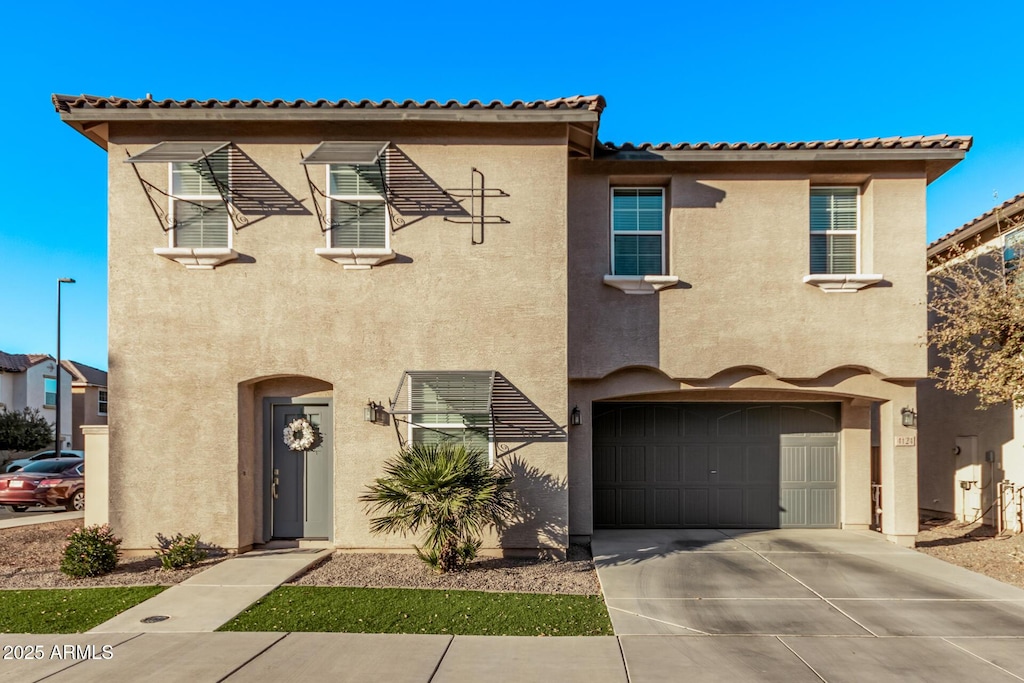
(39, 519)
(211, 598)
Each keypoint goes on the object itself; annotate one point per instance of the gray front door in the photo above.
(299, 483)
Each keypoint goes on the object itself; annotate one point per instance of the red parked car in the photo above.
(56, 481)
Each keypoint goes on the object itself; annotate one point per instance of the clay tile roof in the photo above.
(960, 142)
(67, 103)
(970, 228)
(20, 362)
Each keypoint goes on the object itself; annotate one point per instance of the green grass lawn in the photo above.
(399, 610)
(66, 610)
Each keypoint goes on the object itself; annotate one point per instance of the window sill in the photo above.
(199, 258)
(842, 283)
(356, 259)
(641, 284)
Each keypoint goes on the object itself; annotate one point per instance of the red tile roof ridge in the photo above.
(66, 103)
(941, 141)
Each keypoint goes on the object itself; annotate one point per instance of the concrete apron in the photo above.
(211, 598)
(731, 604)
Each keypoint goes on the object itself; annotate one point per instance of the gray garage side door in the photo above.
(714, 465)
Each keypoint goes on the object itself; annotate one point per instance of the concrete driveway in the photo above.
(757, 603)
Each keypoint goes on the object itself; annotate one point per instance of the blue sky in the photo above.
(671, 71)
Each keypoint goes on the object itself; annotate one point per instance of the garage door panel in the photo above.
(605, 502)
(604, 465)
(821, 463)
(730, 424)
(665, 425)
(632, 507)
(761, 508)
(729, 465)
(666, 507)
(730, 507)
(696, 466)
(695, 425)
(632, 464)
(793, 463)
(695, 507)
(794, 507)
(762, 465)
(822, 507)
(632, 423)
(667, 466)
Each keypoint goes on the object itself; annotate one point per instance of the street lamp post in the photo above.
(57, 441)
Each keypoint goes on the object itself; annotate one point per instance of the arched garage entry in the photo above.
(715, 465)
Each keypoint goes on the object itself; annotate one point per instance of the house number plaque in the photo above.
(906, 440)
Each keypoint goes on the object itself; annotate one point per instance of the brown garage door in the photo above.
(693, 465)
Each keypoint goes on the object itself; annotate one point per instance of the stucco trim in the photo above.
(356, 259)
(641, 284)
(842, 283)
(200, 258)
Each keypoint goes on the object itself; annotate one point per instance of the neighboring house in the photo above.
(88, 399)
(30, 381)
(972, 461)
(651, 336)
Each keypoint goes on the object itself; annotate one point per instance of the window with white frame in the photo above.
(198, 212)
(101, 405)
(451, 409)
(835, 230)
(638, 231)
(50, 391)
(356, 210)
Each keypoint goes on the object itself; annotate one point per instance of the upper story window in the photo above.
(101, 406)
(357, 211)
(50, 391)
(835, 230)
(198, 212)
(638, 231)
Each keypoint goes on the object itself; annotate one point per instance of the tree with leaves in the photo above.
(25, 430)
(976, 305)
(448, 492)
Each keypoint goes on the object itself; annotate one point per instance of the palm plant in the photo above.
(445, 490)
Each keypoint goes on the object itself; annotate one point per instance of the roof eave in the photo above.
(987, 223)
(104, 115)
(937, 161)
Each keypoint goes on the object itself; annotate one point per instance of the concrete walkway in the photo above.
(28, 520)
(211, 598)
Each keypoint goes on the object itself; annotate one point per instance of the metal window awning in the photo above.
(187, 152)
(462, 392)
(197, 153)
(337, 152)
(359, 153)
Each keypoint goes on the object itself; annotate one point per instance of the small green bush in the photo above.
(180, 552)
(90, 551)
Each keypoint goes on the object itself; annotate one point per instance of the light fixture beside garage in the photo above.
(575, 418)
(909, 417)
(374, 413)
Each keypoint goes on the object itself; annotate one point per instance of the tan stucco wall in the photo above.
(186, 347)
(739, 243)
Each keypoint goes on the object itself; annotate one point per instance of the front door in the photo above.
(299, 482)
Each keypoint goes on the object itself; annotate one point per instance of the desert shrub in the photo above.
(448, 492)
(90, 551)
(180, 551)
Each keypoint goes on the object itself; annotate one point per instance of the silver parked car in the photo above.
(15, 465)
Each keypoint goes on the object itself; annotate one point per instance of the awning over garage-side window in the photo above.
(170, 151)
(444, 392)
(338, 152)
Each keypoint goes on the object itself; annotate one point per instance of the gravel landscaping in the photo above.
(30, 555)
(975, 547)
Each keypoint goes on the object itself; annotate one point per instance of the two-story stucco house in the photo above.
(686, 335)
(972, 462)
(88, 398)
(30, 380)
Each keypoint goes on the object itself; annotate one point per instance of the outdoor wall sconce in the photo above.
(574, 417)
(909, 417)
(374, 413)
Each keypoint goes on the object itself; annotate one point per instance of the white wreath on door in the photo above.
(299, 435)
